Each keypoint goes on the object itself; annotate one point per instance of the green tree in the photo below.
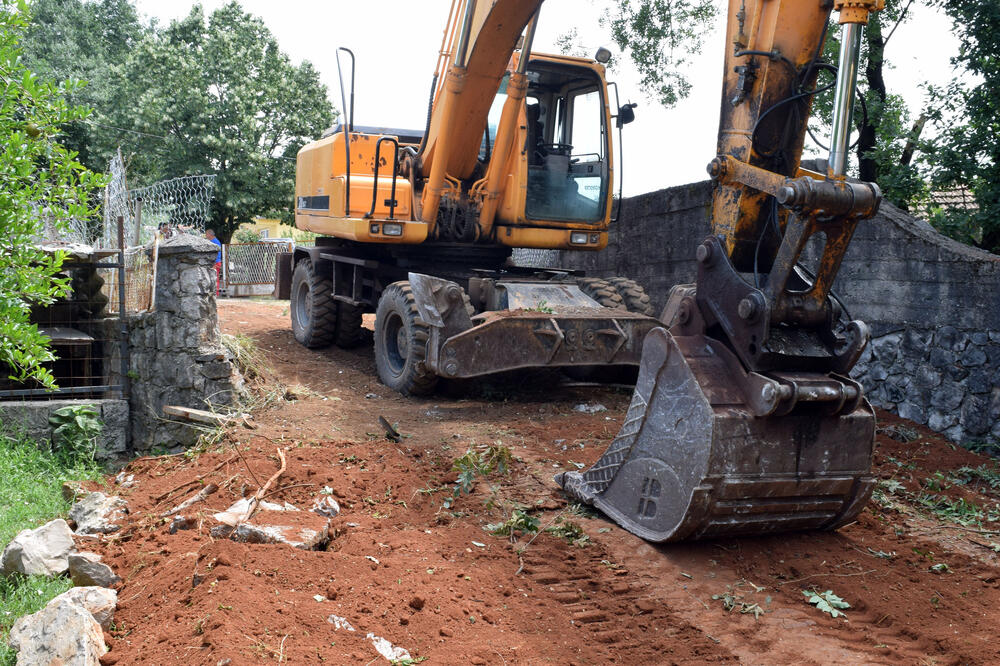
(218, 96)
(886, 135)
(660, 38)
(41, 183)
(88, 41)
(967, 153)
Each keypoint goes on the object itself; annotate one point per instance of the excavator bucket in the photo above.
(699, 456)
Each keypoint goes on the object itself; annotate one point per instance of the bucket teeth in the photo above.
(693, 461)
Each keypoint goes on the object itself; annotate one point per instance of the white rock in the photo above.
(42, 551)
(100, 602)
(235, 513)
(590, 409)
(86, 569)
(340, 622)
(62, 633)
(326, 506)
(387, 649)
(98, 513)
(297, 536)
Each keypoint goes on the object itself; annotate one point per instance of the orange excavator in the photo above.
(744, 419)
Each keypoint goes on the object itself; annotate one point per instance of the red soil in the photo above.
(432, 581)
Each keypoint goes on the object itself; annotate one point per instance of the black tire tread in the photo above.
(417, 379)
(349, 332)
(632, 294)
(601, 291)
(322, 329)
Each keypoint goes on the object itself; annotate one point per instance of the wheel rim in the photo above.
(397, 344)
(302, 305)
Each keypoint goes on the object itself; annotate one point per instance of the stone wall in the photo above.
(176, 357)
(32, 419)
(933, 304)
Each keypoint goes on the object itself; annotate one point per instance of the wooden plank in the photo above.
(201, 416)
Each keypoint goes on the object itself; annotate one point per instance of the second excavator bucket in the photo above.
(697, 457)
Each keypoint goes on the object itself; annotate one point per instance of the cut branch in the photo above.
(200, 496)
(259, 495)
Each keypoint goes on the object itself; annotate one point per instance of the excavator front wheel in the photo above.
(314, 312)
(401, 342)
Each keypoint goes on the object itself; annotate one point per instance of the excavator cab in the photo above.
(564, 141)
(566, 144)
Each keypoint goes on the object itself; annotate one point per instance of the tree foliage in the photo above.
(43, 183)
(661, 37)
(216, 95)
(87, 41)
(967, 152)
(885, 128)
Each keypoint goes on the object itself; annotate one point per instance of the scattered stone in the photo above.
(445, 631)
(371, 396)
(326, 506)
(100, 602)
(62, 633)
(125, 481)
(234, 514)
(417, 603)
(182, 523)
(72, 491)
(300, 537)
(388, 650)
(592, 408)
(86, 569)
(98, 513)
(43, 551)
(339, 622)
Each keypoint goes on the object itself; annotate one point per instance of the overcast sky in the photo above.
(396, 43)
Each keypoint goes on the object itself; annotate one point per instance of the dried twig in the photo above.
(194, 499)
(843, 575)
(201, 478)
(259, 495)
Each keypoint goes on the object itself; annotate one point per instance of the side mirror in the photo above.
(626, 114)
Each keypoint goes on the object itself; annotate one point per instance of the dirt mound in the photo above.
(410, 563)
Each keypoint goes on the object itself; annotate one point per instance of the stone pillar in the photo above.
(176, 354)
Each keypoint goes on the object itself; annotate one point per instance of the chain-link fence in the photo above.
(140, 279)
(148, 214)
(532, 258)
(251, 263)
(167, 207)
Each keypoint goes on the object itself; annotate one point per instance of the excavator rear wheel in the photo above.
(602, 291)
(401, 342)
(314, 312)
(349, 332)
(632, 294)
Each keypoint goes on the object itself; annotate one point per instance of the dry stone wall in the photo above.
(933, 304)
(176, 357)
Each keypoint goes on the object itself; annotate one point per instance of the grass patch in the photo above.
(30, 495)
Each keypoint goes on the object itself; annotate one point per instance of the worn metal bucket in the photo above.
(695, 459)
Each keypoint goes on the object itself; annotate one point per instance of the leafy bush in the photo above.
(43, 184)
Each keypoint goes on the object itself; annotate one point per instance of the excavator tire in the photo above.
(401, 342)
(632, 294)
(314, 312)
(349, 332)
(602, 291)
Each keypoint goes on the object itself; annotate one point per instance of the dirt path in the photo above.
(429, 579)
